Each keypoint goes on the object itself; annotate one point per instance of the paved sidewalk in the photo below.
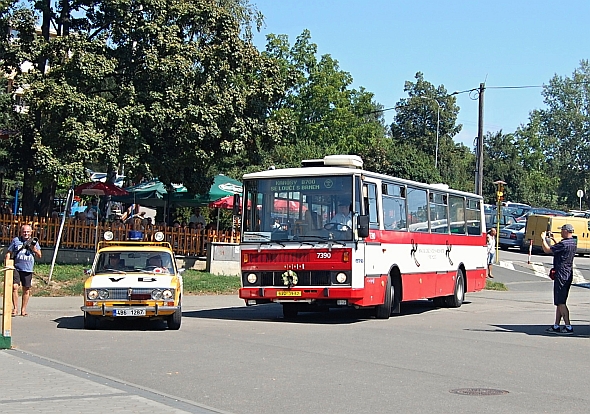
(31, 384)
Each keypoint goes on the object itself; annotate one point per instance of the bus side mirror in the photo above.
(363, 226)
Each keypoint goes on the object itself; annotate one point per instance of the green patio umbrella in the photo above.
(223, 186)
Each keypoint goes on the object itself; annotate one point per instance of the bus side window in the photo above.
(371, 206)
(394, 213)
(417, 210)
(473, 217)
(457, 214)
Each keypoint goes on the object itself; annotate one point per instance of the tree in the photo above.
(168, 89)
(320, 114)
(415, 125)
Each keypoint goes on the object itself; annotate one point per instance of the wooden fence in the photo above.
(81, 235)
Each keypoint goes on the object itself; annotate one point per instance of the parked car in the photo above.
(543, 211)
(505, 220)
(512, 236)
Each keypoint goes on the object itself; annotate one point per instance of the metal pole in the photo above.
(59, 234)
(437, 127)
(479, 175)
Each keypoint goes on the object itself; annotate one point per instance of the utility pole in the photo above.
(479, 162)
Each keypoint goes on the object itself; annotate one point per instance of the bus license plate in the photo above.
(289, 293)
(129, 312)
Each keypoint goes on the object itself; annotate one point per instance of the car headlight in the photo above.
(92, 294)
(167, 294)
(103, 294)
(156, 294)
(252, 278)
(341, 277)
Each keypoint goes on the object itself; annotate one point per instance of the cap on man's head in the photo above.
(568, 227)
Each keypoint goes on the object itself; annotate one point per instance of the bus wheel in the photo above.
(456, 299)
(290, 310)
(384, 311)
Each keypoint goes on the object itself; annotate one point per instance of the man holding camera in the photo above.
(23, 249)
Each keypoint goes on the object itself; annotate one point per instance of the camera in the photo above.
(29, 244)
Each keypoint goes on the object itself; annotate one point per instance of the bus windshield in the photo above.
(299, 208)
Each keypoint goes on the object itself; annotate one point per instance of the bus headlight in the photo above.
(252, 278)
(341, 277)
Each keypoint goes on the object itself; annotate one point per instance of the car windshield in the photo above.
(134, 261)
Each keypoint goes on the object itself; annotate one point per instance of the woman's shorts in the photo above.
(491, 257)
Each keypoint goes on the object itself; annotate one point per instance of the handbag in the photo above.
(552, 273)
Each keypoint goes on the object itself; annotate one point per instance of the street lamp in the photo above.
(437, 128)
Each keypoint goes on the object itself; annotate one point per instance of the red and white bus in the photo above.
(401, 240)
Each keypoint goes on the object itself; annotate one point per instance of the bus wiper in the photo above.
(296, 239)
(325, 240)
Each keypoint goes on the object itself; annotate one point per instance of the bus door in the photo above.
(373, 249)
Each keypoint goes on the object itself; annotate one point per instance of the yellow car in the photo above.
(133, 280)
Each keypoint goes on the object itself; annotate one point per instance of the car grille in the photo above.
(136, 293)
(305, 278)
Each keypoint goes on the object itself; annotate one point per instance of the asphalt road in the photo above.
(249, 360)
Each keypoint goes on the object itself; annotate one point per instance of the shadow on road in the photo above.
(274, 313)
(538, 330)
(123, 324)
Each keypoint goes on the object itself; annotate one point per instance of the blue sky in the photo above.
(458, 44)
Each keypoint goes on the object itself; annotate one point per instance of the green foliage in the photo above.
(415, 125)
(168, 89)
(206, 283)
(320, 113)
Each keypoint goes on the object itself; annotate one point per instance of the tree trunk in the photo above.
(46, 199)
(28, 194)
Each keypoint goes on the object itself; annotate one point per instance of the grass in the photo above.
(68, 280)
(495, 286)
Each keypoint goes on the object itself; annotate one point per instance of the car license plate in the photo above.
(289, 293)
(129, 312)
(504, 234)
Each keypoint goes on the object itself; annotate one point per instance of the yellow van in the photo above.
(537, 224)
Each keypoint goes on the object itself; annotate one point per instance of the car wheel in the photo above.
(90, 321)
(175, 319)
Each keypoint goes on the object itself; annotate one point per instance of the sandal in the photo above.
(24, 314)
(14, 313)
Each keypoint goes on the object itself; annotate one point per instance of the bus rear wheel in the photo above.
(456, 299)
(384, 311)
